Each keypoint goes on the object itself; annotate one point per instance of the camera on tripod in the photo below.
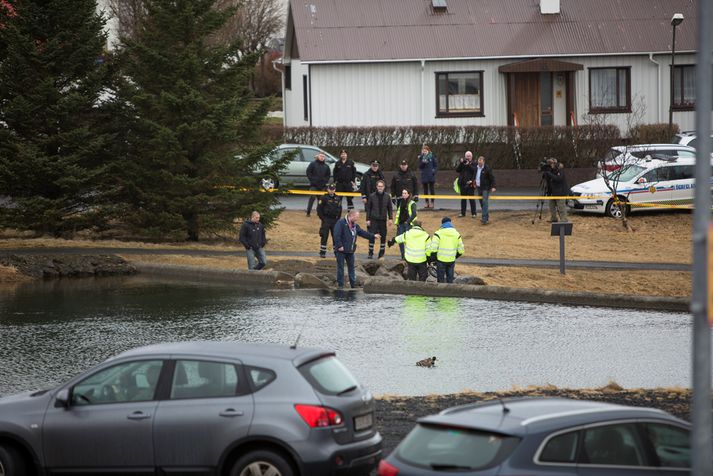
(548, 164)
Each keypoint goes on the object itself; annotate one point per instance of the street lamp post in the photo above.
(676, 20)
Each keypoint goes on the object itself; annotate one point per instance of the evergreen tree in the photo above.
(51, 81)
(192, 144)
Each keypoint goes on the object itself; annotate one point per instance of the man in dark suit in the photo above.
(485, 184)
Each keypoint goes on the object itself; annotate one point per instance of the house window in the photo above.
(459, 94)
(609, 90)
(684, 87)
(288, 76)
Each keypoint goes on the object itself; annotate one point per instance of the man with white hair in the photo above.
(466, 182)
(345, 234)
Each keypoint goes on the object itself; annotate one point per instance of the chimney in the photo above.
(550, 7)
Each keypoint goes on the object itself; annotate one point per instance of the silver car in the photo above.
(214, 408)
(295, 174)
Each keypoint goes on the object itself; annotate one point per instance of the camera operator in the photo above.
(556, 186)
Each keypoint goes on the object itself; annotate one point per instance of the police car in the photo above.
(652, 183)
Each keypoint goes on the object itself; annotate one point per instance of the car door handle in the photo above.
(231, 412)
(138, 415)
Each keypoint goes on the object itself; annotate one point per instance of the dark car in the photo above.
(215, 408)
(543, 436)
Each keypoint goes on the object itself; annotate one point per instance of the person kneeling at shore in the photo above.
(416, 248)
(345, 234)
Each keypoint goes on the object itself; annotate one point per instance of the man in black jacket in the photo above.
(466, 182)
(345, 176)
(252, 237)
(485, 184)
(556, 187)
(402, 180)
(378, 210)
(318, 174)
(329, 210)
(368, 181)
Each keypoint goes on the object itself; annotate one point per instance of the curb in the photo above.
(502, 293)
(237, 276)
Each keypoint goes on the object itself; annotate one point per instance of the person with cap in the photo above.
(446, 246)
(404, 179)
(406, 214)
(345, 176)
(466, 182)
(417, 244)
(345, 234)
(378, 210)
(369, 179)
(318, 174)
(428, 163)
(485, 185)
(329, 210)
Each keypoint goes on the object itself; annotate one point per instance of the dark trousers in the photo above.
(377, 226)
(346, 187)
(349, 258)
(445, 271)
(312, 198)
(402, 228)
(324, 231)
(420, 269)
(465, 191)
(429, 188)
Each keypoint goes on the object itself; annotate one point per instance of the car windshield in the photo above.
(628, 173)
(329, 376)
(448, 448)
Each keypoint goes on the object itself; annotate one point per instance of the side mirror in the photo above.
(62, 399)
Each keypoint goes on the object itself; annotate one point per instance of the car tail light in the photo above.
(386, 469)
(319, 417)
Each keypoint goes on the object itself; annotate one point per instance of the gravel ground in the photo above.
(395, 416)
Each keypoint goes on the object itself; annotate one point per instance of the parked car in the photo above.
(296, 172)
(543, 436)
(688, 138)
(621, 155)
(650, 181)
(199, 408)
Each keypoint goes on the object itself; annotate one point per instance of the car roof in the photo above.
(653, 147)
(532, 415)
(230, 349)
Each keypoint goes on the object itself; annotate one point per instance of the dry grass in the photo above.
(9, 274)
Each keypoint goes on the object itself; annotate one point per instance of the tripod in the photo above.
(541, 203)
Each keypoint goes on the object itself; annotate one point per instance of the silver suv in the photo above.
(219, 408)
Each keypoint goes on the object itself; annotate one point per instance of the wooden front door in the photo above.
(526, 98)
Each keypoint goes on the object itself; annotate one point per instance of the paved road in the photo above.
(299, 202)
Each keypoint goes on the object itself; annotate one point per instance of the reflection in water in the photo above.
(52, 330)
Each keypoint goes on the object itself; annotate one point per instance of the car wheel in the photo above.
(357, 182)
(11, 462)
(269, 183)
(614, 210)
(261, 463)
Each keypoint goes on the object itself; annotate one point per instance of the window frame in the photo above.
(160, 383)
(626, 109)
(446, 114)
(242, 388)
(679, 69)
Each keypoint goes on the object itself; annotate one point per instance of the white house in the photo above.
(487, 62)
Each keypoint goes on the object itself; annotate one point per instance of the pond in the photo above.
(52, 330)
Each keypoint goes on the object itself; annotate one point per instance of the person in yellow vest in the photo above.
(416, 246)
(406, 213)
(446, 246)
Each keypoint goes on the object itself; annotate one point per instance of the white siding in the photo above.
(293, 106)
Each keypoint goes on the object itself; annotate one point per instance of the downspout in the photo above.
(284, 102)
(658, 86)
(423, 112)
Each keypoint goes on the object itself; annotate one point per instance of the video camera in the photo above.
(548, 164)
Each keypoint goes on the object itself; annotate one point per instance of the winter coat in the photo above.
(252, 235)
(318, 174)
(428, 163)
(466, 174)
(407, 212)
(368, 182)
(487, 179)
(379, 207)
(345, 236)
(329, 208)
(556, 183)
(404, 180)
(344, 172)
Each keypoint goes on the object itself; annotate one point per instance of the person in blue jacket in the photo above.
(345, 234)
(428, 163)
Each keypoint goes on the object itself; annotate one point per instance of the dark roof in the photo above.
(376, 30)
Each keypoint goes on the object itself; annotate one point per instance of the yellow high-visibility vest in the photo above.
(416, 244)
(447, 244)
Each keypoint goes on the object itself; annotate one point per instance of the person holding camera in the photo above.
(466, 182)
(556, 187)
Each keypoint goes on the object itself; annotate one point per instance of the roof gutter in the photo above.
(658, 86)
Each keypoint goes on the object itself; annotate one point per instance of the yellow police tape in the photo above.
(502, 198)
